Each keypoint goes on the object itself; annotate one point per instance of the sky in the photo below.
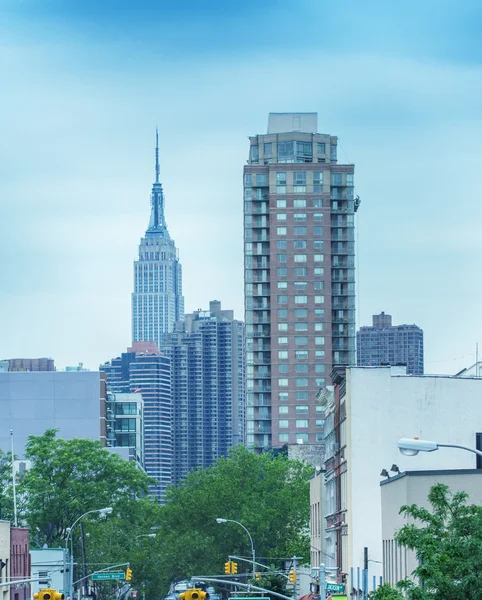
(83, 85)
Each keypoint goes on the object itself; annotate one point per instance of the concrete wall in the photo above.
(413, 488)
(382, 407)
(32, 402)
(49, 562)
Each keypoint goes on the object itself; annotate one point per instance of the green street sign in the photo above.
(107, 576)
(335, 587)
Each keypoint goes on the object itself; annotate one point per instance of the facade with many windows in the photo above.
(125, 424)
(207, 358)
(299, 219)
(157, 301)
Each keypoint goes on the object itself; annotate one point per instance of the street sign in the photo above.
(335, 587)
(107, 576)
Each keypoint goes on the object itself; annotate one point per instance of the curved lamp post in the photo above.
(219, 520)
(412, 446)
(102, 512)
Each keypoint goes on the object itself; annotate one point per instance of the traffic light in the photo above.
(227, 567)
(234, 567)
(128, 574)
(257, 576)
(292, 576)
(198, 594)
(48, 594)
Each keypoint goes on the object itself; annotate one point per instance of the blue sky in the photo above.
(84, 84)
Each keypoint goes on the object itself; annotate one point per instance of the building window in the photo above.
(319, 423)
(254, 154)
(248, 179)
(319, 436)
(349, 179)
(301, 299)
(319, 299)
(301, 313)
(282, 383)
(319, 326)
(282, 258)
(301, 326)
(333, 152)
(283, 354)
(283, 437)
(282, 271)
(280, 203)
(300, 258)
(302, 368)
(302, 397)
(283, 368)
(261, 179)
(299, 244)
(319, 354)
(283, 410)
(284, 340)
(299, 182)
(281, 230)
(299, 203)
(285, 150)
(318, 183)
(282, 313)
(283, 423)
(317, 216)
(299, 216)
(318, 285)
(302, 423)
(320, 382)
(281, 183)
(301, 354)
(282, 326)
(302, 409)
(317, 203)
(301, 381)
(300, 230)
(281, 244)
(283, 396)
(320, 368)
(321, 147)
(316, 258)
(283, 299)
(301, 340)
(318, 245)
(319, 341)
(300, 285)
(281, 216)
(268, 148)
(319, 313)
(302, 437)
(336, 179)
(282, 285)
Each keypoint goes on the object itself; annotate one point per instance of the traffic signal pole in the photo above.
(245, 585)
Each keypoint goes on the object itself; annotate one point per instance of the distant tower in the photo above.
(384, 343)
(157, 301)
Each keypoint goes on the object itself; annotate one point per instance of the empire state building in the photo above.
(157, 301)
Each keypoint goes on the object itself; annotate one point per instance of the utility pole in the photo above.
(295, 564)
(322, 581)
(84, 560)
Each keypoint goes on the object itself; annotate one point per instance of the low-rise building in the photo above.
(49, 568)
(369, 410)
(19, 562)
(412, 487)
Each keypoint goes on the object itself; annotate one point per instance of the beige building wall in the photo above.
(317, 522)
(5, 557)
(413, 487)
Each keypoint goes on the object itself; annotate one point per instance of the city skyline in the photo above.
(400, 88)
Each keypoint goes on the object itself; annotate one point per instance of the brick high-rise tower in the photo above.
(299, 217)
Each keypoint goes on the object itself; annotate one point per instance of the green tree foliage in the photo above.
(268, 494)
(271, 580)
(385, 592)
(6, 486)
(70, 477)
(448, 543)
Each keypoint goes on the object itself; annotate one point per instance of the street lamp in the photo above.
(102, 512)
(219, 520)
(412, 446)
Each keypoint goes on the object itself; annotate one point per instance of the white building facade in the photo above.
(370, 409)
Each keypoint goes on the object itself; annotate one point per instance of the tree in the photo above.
(268, 494)
(448, 545)
(385, 592)
(71, 477)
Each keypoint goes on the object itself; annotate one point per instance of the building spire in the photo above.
(157, 155)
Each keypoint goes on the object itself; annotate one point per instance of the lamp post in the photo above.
(101, 511)
(219, 520)
(412, 446)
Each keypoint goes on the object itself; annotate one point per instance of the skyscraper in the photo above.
(384, 343)
(207, 359)
(143, 368)
(299, 251)
(157, 301)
